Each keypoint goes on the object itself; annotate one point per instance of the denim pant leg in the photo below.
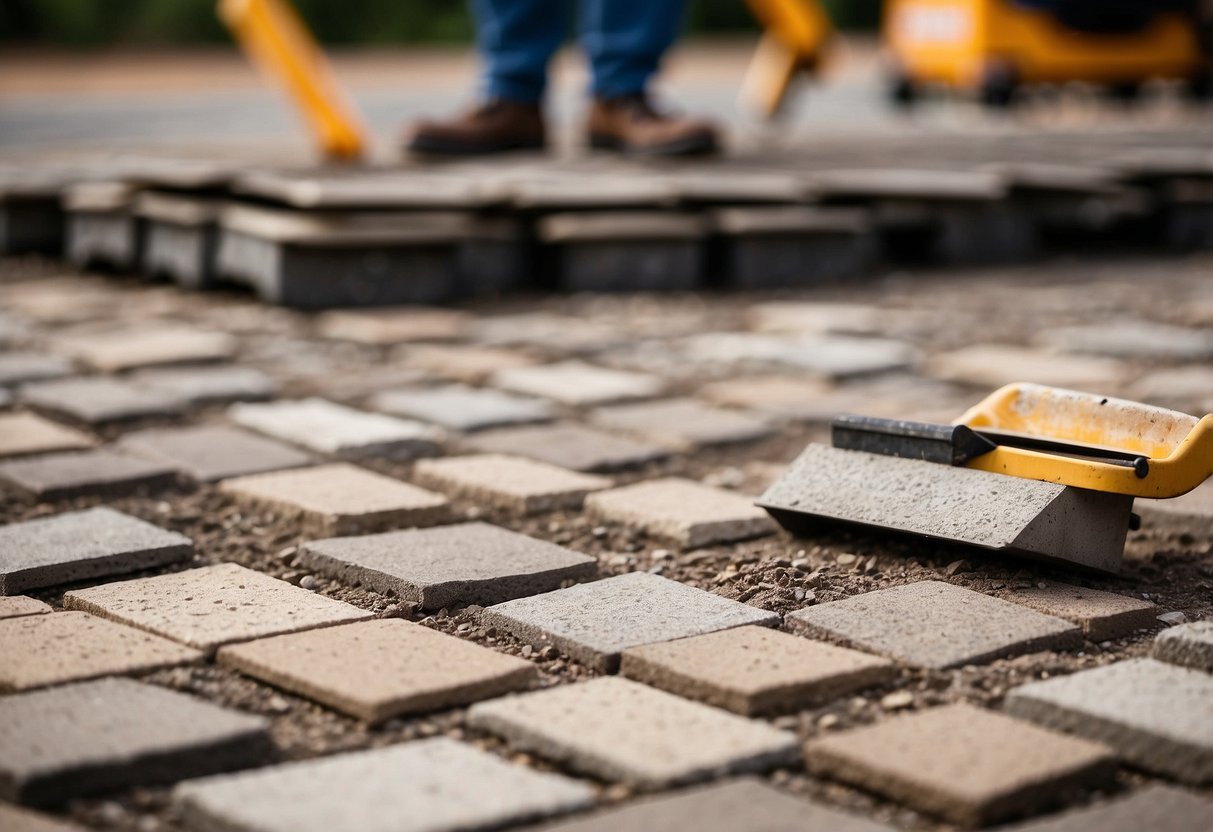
(517, 38)
(624, 41)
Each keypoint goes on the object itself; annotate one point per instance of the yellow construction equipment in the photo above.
(795, 36)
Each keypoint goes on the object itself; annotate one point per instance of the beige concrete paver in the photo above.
(330, 428)
(99, 400)
(393, 325)
(526, 486)
(147, 346)
(28, 433)
(1156, 808)
(568, 446)
(578, 384)
(993, 365)
(682, 424)
(463, 362)
(16, 819)
(16, 606)
(1102, 615)
(1190, 645)
(459, 408)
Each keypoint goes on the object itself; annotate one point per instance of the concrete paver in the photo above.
(17, 606)
(147, 346)
(1132, 340)
(43, 650)
(16, 819)
(824, 356)
(525, 486)
(341, 499)
(393, 325)
(334, 429)
(578, 384)
(461, 408)
(435, 785)
(568, 446)
(620, 730)
(79, 545)
(754, 670)
(594, 623)
(1157, 808)
(1190, 645)
(1157, 716)
(468, 563)
(936, 625)
(1102, 615)
(208, 453)
(376, 670)
(204, 385)
(123, 733)
(99, 400)
(213, 605)
(993, 365)
(682, 424)
(21, 367)
(99, 471)
(27, 433)
(967, 765)
(465, 362)
(686, 512)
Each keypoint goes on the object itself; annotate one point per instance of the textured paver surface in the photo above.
(621, 730)
(1188, 644)
(42, 650)
(212, 452)
(99, 400)
(593, 623)
(683, 424)
(20, 367)
(460, 408)
(1102, 615)
(79, 545)
(203, 385)
(993, 365)
(579, 384)
(465, 363)
(523, 485)
(937, 625)
(465, 563)
(29, 433)
(335, 429)
(754, 670)
(970, 766)
(146, 347)
(568, 446)
(214, 605)
(1161, 808)
(17, 606)
(124, 733)
(392, 326)
(688, 513)
(95, 471)
(341, 498)
(1156, 716)
(435, 785)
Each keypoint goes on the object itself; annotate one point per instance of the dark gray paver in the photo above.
(594, 623)
(22, 434)
(568, 446)
(338, 430)
(683, 424)
(95, 471)
(17, 606)
(936, 625)
(970, 766)
(212, 452)
(579, 384)
(1155, 715)
(461, 408)
(621, 730)
(21, 367)
(469, 563)
(523, 485)
(1102, 615)
(203, 385)
(80, 545)
(1156, 808)
(435, 785)
(123, 733)
(1188, 644)
(99, 400)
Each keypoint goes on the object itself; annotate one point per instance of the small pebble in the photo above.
(897, 700)
(1172, 618)
(846, 559)
(308, 582)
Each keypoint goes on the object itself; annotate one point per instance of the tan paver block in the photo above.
(342, 499)
(15, 819)
(394, 326)
(993, 365)
(967, 765)
(27, 433)
(148, 347)
(214, 605)
(465, 363)
(331, 428)
(522, 485)
(683, 424)
(1154, 808)
(686, 512)
(754, 670)
(793, 398)
(579, 384)
(624, 731)
(43, 650)
(1190, 645)
(376, 670)
(16, 606)
(1102, 615)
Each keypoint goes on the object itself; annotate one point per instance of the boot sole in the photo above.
(441, 148)
(698, 146)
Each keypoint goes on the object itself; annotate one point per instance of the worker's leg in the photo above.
(517, 39)
(624, 41)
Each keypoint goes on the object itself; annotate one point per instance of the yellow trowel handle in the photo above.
(794, 35)
(275, 37)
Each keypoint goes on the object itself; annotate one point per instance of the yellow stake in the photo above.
(794, 36)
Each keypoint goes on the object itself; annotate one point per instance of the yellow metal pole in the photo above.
(795, 33)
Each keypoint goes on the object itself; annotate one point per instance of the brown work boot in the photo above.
(629, 124)
(492, 127)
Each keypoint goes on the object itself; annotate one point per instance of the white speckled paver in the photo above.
(341, 499)
(1156, 808)
(594, 623)
(688, 513)
(338, 430)
(203, 385)
(208, 453)
(526, 486)
(579, 384)
(682, 424)
(1157, 716)
(43, 650)
(1190, 645)
(967, 765)
(122, 733)
(21, 367)
(393, 326)
(469, 563)
(621, 730)
(435, 785)
(1102, 615)
(28, 433)
(936, 625)
(147, 346)
(214, 605)
(461, 408)
(754, 670)
(80, 545)
(99, 400)
(98, 471)
(17, 606)
(568, 446)
(376, 670)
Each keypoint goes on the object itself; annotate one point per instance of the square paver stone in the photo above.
(739, 804)
(1157, 716)
(568, 446)
(1156, 808)
(936, 625)
(579, 384)
(21, 367)
(683, 424)
(338, 430)
(754, 670)
(43, 650)
(1190, 645)
(208, 453)
(594, 623)
(204, 385)
(17, 606)
(122, 733)
(80, 545)
(27, 433)
(98, 471)
(214, 605)
(1102, 615)
(376, 670)
(523, 485)
(970, 766)
(434, 785)
(620, 730)
(99, 400)
(147, 346)
(341, 498)
(393, 326)
(16, 819)
(992, 365)
(461, 408)
(468, 563)
(791, 398)
(689, 513)
(463, 362)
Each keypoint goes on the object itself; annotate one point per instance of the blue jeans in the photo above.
(623, 40)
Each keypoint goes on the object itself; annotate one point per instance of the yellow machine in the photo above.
(795, 36)
(992, 47)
